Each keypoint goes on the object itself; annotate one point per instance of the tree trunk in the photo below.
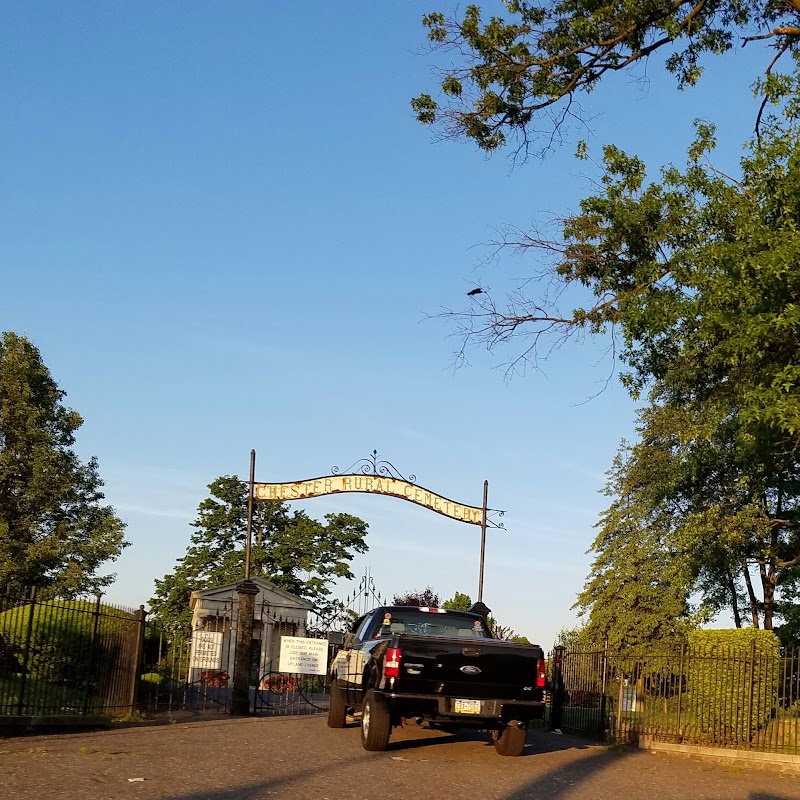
(769, 595)
(750, 593)
(769, 577)
(737, 617)
(769, 606)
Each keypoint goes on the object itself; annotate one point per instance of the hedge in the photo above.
(61, 649)
(732, 682)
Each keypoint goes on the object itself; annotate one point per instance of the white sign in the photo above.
(206, 650)
(304, 656)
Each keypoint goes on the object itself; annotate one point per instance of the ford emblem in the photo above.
(468, 669)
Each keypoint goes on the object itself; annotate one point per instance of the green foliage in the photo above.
(54, 531)
(506, 72)
(62, 631)
(637, 591)
(576, 639)
(458, 602)
(298, 554)
(694, 275)
(462, 602)
(733, 676)
(789, 610)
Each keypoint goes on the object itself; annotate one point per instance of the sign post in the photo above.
(250, 495)
(483, 538)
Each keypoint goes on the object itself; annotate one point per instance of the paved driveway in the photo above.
(254, 759)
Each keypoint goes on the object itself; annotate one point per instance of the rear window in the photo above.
(423, 623)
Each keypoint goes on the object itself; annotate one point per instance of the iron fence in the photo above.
(291, 694)
(726, 697)
(67, 656)
(281, 693)
(172, 681)
(85, 656)
(177, 676)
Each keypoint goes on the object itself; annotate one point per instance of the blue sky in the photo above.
(223, 228)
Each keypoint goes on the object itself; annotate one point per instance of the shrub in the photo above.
(732, 682)
(62, 632)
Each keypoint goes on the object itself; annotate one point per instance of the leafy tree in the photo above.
(789, 610)
(520, 73)
(462, 602)
(695, 278)
(575, 638)
(426, 597)
(690, 517)
(298, 554)
(637, 591)
(55, 533)
(458, 602)
(506, 632)
(689, 275)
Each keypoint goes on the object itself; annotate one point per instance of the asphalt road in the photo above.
(254, 759)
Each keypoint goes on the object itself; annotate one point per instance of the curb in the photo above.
(784, 762)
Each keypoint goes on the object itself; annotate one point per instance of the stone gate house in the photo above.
(214, 620)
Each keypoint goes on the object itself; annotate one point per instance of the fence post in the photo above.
(752, 689)
(557, 696)
(138, 657)
(678, 734)
(620, 703)
(240, 697)
(90, 668)
(26, 657)
(603, 730)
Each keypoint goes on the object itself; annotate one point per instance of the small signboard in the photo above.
(303, 656)
(206, 650)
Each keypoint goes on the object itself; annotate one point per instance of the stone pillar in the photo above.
(240, 697)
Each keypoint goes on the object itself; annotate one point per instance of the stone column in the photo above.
(240, 697)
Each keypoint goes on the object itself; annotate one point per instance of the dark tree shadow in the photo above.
(538, 741)
(764, 796)
(562, 780)
(243, 790)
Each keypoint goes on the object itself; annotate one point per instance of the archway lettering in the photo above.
(370, 484)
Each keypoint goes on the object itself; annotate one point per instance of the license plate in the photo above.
(467, 706)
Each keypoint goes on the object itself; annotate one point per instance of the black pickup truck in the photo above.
(435, 666)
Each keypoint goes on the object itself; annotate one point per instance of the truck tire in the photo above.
(337, 710)
(511, 740)
(376, 723)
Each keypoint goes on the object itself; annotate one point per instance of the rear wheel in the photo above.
(511, 740)
(337, 710)
(376, 723)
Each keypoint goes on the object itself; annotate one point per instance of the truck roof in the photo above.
(426, 609)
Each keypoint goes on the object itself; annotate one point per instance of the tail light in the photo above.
(391, 662)
(541, 673)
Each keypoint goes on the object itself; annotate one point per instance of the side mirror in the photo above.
(349, 638)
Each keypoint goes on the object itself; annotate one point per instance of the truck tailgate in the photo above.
(468, 668)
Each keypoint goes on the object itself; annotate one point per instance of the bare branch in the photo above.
(781, 50)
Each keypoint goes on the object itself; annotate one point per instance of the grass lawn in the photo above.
(40, 697)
